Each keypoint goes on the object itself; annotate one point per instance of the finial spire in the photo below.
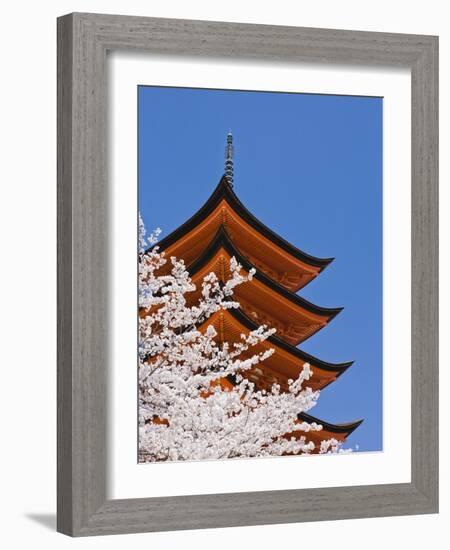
(229, 158)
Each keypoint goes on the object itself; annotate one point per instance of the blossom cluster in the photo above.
(195, 401)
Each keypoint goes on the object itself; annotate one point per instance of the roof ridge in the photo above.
(222, 237)
(222, 190)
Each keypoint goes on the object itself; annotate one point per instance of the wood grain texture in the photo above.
(83, 198)
(64, 275)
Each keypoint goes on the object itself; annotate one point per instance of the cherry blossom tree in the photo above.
(188, 409)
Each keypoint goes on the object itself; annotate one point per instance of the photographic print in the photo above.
(260, 269)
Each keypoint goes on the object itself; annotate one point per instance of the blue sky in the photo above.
(309, 167)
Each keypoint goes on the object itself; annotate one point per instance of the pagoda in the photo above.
(223, 228)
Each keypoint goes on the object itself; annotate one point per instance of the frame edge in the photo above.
(83, 40)
(64, 274)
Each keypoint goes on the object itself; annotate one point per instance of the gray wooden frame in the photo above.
(83, 41)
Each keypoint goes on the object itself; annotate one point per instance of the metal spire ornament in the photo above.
(229, 159)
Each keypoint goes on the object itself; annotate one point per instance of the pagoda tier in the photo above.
(267, 251)
(285, 363)
(340, 432)
(262, 299)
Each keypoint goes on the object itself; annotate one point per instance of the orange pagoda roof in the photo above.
(267, 251)
(285, 363)
(262, 298)
(340, 432)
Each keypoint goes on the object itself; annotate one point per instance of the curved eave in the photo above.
(222, 240)
(246, 322)
(224, 191)
(345, 428)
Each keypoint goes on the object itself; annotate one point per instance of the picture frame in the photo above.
(83, 41)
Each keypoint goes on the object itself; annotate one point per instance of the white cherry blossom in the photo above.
(194, 399)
